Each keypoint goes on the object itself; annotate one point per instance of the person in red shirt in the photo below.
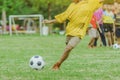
(93, 33)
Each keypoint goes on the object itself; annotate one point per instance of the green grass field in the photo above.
(102, 63)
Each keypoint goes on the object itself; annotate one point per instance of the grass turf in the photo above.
(102, 63)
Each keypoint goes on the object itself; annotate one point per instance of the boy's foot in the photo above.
(56, 66)
(89, 46)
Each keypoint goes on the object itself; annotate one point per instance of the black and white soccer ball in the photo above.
(116, 46)
(36, 62)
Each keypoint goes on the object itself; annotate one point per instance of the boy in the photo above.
(79, 14)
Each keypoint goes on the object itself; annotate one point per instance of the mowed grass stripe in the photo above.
(100, 63)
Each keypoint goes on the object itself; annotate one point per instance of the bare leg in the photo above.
(66, 53)
(109, 39)
(91, 43)
(70, 44)
(118, 41)
(63, 58)
(106, 36)
(112, 38)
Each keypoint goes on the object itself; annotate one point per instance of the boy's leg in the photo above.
(90, 44)
(112, 38)
(109, 39)
(118, 41)
(92, 34)
(106, 36)
(63, 57)
(71, 44)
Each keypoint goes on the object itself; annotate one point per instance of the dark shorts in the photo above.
(108, 27)
(117, 32)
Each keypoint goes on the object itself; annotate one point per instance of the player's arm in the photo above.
(60, 18)
(50, 21)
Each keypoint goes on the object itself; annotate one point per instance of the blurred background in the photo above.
(47, 8)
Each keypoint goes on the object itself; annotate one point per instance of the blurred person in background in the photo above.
(108, 23)
(99, 17)
(93, 33)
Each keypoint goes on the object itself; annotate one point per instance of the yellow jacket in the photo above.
(79, 16)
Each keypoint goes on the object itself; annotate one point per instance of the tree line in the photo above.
(47, 7)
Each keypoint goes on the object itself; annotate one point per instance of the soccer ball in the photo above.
(116, 46)
(36, 62)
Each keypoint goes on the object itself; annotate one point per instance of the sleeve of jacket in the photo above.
(63, 16)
